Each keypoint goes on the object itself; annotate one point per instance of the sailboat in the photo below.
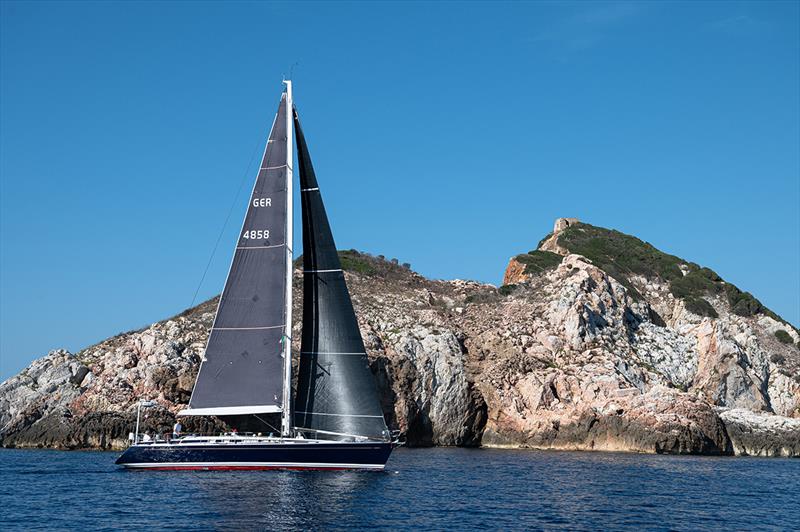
(335, 420)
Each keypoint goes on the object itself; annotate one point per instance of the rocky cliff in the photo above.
(596, 341)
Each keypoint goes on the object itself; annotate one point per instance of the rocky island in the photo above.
(595, 341)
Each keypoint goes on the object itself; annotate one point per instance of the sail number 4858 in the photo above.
(256, 234)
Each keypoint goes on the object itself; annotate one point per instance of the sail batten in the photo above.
(336, 392)
(231, 410)
(242, 368)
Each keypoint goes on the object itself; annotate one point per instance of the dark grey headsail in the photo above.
(336, 392)
(243, 369)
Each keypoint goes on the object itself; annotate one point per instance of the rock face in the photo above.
(568, 356)
(515, 272)
(759, 434)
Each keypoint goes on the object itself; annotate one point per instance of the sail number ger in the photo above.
(262, 202)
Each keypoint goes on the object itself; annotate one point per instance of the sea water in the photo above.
(421, 489)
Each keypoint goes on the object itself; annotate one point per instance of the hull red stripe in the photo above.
(244, 468)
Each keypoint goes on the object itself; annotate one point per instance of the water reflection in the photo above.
(272, 499)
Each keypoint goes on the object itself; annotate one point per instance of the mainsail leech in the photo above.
(336, 392)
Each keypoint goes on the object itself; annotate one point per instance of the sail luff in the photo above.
(241, 371)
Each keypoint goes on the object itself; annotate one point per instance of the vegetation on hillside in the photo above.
(353, 261)
(623, 256)
(537, 261)
(366, 264)
(507, 289)
(701, 307)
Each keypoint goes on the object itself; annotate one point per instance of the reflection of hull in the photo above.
(240, 454)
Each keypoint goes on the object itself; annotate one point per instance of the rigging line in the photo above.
(264, 421)
(225, 224)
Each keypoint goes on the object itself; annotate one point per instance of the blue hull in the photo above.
(245, 456)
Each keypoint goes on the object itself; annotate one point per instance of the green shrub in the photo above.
(743, 303)
(354, 261)
(694, 283)
(539, 261)
(701, 307)
(507, 289)
(783, 337)
(777, 358)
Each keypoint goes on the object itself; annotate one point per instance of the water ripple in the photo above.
(428, 489)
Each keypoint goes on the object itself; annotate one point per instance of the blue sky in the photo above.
(448, 135)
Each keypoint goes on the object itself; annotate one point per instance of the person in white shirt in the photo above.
(176, 430)
(147, 437)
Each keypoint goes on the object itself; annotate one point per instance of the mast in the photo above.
(286, 412)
